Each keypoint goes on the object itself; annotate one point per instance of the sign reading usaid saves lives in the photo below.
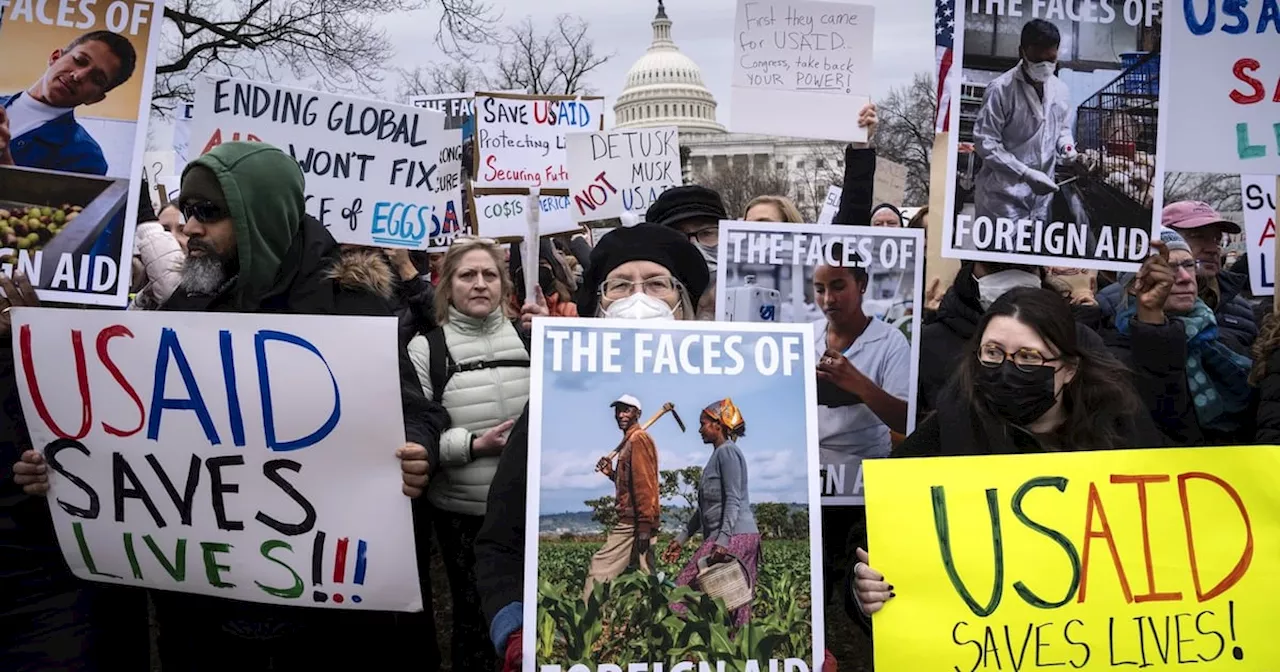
(377, 174)
(250, 457)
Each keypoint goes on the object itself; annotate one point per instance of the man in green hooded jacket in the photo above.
(253, 249)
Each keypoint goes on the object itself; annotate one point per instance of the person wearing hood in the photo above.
(977, 286)
(888, 215)
(1022, 129)
(1221, 290)
(252, 249)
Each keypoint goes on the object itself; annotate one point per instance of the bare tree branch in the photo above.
(737, 183)
(334, 42)
(907, 117)
(456, 77)
(557, 62)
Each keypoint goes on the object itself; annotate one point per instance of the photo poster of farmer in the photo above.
(673, 507)
(1054, 151)
(75, 97)
(860, 288)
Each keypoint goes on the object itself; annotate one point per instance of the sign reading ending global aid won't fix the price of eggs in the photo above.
(377, 174)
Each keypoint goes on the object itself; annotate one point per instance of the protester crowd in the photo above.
(1174, 355)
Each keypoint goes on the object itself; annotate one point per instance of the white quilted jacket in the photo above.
(476, 400)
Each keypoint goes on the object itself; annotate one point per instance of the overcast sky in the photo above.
(703, 29)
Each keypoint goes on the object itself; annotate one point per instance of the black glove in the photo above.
(146, 211)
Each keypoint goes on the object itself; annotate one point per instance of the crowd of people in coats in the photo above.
(1173, 355)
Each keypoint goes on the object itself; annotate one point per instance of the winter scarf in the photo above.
(1217, 378)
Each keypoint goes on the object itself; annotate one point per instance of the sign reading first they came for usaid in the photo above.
(250, 457)
(377, 173)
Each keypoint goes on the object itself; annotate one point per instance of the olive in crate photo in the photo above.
(30, 227)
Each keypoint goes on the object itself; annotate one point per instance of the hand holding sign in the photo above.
(868, 120)
(1153, 284)
(414, 468)
(17, 293)
(532, 309)
(870, 586)
(31, 473)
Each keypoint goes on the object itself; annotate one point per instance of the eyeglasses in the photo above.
(991, 355)
(1188, 265)
(662, 287)
(205, 212)
(709, 236)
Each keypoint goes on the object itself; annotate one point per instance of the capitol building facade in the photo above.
(665, 88)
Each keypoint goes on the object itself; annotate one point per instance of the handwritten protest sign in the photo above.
(1135, 559)
(596, 383)
(830, 205)
(504, 216)
(182, 135)
(520, 139)
(1073, 184)
(802, 55)
(377, 174)
(621, 171)
(70, 181)
(875, 277)
(1224, 86)
(250, 457)
(1258, 193)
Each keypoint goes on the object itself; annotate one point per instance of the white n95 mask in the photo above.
(640, 306)
(996, 285)
(1042, 71)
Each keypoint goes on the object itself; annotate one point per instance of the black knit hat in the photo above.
(643, 242)
(680, 204)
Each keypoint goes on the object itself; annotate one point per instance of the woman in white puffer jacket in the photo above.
(477, 365)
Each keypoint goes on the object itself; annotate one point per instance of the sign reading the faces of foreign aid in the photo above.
(250, 457)
(843, 280)
(1165, 559)
(1071, 178)
(70, 181)
(651, 445)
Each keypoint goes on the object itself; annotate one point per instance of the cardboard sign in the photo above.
(1158, 559)
(1223, 79)
(830, 205)
(802, 55)
(69, 199)
(1258, 193)
(377, 174)
(504, 216)
(520, 139)
(1072, 181)
(583, 518)
(779, 273)
(250, 457)
(621, 171)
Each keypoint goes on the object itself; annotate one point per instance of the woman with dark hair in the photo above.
(1026, 385)
(724, 514)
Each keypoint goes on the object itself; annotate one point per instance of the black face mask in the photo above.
(546, 280)
(1017, 396)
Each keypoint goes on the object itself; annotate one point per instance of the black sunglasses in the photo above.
(205, 212)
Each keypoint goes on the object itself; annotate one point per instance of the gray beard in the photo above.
(204, 274)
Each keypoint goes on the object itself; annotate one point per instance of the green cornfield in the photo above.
(631, 620)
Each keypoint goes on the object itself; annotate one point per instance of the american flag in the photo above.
(944, 26)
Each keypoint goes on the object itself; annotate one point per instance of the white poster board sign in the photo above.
(830, 206)
(1221, 71)
(504, 215)
(250, 457)
(182, 136)
(377, 173)
(621, 171)
(1258, 193)
(158, 164)
(802, 55)
(172, 185)
(520, 139)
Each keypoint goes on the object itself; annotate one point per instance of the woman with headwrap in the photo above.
(724, 506)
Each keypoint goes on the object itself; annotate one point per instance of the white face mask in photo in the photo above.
(640, 306)
(1041, 72)
(996, 285)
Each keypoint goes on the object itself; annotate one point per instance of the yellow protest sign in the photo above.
(1134, 559)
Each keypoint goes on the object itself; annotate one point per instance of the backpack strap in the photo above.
(441, 362)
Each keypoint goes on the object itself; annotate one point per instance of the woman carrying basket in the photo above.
(724, 507)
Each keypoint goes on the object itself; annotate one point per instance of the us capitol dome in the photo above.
(664, 88)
